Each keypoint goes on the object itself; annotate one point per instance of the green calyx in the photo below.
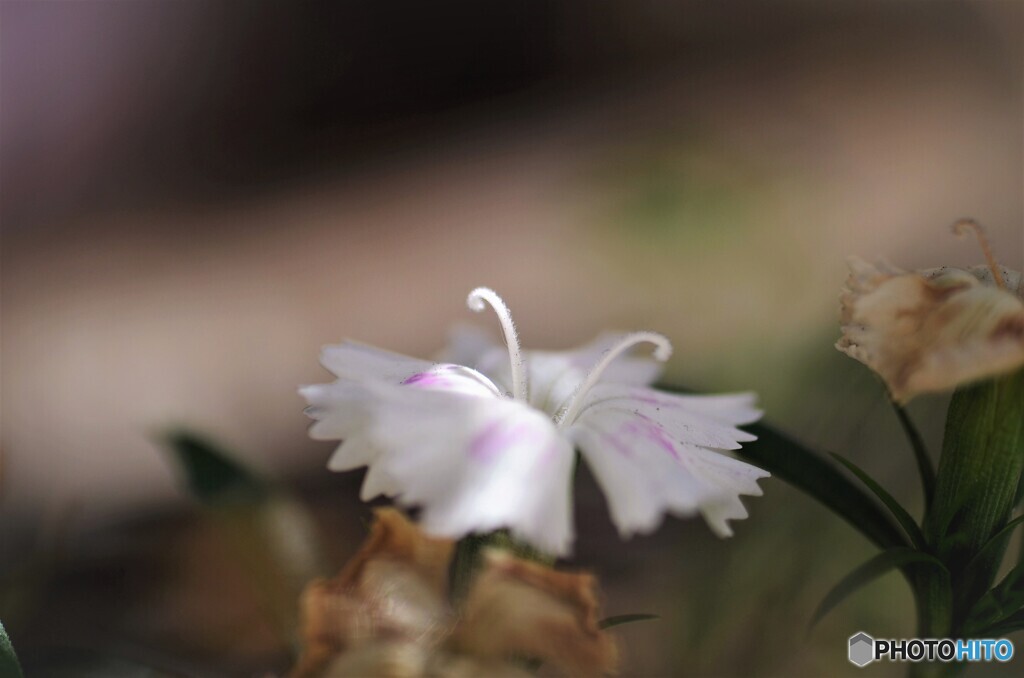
(977, 483)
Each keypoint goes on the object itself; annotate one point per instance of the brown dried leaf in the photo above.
(394, 588)
(931, 330)
(521, 608)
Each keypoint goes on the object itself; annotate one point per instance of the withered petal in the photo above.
(931, 330)
(521, 608)
(394, 588)
(395, 537)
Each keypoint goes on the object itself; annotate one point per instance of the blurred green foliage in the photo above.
(270, 534)
(9, 667)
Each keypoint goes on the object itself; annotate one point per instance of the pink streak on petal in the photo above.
(426, 380)
(616, 442)
(497, 437)
(646, 427)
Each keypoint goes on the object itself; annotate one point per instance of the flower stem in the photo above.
(934, 618)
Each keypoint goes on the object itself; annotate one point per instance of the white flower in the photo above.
(487, 439)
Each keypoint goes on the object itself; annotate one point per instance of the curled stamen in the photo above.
(960, 229)
(475, 301)
(662, 352)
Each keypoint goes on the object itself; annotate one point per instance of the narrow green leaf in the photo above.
(9, 666)
(899, 513)
(993, 546)
(1005, 599)
(790, 461)
(211, 474)
(1004, 627)
(925, 467)
(620, 619)
(874, 568)
(809, 472)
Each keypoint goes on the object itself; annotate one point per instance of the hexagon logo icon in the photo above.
(862, 649)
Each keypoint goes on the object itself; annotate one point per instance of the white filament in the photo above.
(662, 352)
(475, 301)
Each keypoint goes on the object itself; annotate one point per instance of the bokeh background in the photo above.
(197, 195)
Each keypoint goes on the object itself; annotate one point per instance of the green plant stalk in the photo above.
(933, 599)
(932, 596)
(976, 485)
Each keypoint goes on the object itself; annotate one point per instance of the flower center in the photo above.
(475, 301)
(964, 224)
(662, 352)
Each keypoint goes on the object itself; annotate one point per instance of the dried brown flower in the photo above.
(387, 614)
(517, 607)
(935, 329)
(393, 588)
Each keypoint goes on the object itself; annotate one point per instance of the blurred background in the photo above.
(196, 196)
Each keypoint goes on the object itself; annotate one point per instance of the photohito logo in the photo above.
(864, 649)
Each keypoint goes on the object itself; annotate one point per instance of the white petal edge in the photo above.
(475, 464)
(651, 462)
(353, 360)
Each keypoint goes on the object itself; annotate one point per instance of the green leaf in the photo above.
(620, 619)
(9, 666)
(1004, 627)
(925, 467)
(874, 568)
(1005, 599)
(211, 474)
(993, 547)
(792, 462)
(897, 510)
